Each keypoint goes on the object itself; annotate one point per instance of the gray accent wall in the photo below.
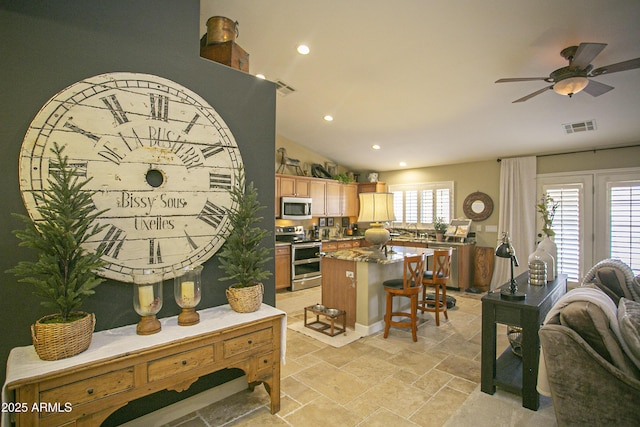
(49, 45)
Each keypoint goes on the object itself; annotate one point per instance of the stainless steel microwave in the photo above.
(295, 208)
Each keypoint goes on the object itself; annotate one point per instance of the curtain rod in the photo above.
(594, 150)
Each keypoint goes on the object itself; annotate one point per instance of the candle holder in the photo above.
(187, 292)
(147, 301)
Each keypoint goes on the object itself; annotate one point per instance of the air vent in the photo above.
(283, 88)
(580, 126)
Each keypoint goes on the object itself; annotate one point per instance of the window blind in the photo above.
(624, 213)
(566, 225)
(419, 204)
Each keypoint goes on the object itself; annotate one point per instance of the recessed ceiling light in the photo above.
(260, 76)
(303, 49)
(403, 164)
(375, 147)
(328, 118)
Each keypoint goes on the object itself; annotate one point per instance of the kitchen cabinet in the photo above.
(317, 190)
(335, 245)
(277, 197)
(294, 186)
(372, 187)
(333, 199)
(350, 204)
(283, 266)
(406, 243)
(330, 198)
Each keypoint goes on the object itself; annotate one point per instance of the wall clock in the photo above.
(160, 158)
(477, 206)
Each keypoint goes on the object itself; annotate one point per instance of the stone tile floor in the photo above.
(371, 382)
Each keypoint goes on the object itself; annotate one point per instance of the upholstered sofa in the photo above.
(590, 363)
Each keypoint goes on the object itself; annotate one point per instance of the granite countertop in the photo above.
(342, 239)
(429, 241)
(283, 243)
(395, 254)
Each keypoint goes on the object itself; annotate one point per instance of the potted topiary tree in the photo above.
(242, 257)
(64, 273)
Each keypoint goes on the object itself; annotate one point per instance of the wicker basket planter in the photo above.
(245, 299)
(54, 341)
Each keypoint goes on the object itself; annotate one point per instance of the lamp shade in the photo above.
(376, 207)
(570, 85)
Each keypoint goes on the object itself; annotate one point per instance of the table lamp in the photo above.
(376, 208)
(506, 250)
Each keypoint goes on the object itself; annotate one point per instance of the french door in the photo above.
(598, 217)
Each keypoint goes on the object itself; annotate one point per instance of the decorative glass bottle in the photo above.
(147, 301)
(544, 256)
(187, 290)
(548, 245)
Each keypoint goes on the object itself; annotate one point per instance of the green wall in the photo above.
(47, 46)
(485, 177)
(468, 178)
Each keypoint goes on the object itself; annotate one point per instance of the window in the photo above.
(598, 217)
(624, 208)
(566, 225)
(420, 204)
(619, 227)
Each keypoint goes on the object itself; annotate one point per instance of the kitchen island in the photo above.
(352, 281)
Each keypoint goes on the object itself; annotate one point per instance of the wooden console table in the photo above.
(121, 366)
(509, 372)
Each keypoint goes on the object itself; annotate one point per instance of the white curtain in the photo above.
(517, 214)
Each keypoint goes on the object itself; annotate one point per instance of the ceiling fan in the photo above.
(575, 78)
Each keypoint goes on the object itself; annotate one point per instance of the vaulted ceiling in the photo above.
(417, 77)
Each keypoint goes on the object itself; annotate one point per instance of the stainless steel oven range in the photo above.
(306, 269)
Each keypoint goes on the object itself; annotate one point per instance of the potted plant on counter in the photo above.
(441, 227)
(64, 273)
(242, 257)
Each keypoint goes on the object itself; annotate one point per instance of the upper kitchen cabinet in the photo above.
(329, 197)
(318, 192)
(294, 186)
(333, 199)
(372, 187)
(351, 205)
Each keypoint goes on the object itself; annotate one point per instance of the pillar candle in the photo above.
(145, 297)
(188, 292)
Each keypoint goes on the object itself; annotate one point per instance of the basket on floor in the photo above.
(54, 341)
(245, 300)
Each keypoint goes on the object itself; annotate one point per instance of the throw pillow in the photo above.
(629, 321)
(590, 322)
(612, 282)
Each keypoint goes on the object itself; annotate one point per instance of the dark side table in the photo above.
(509, 372)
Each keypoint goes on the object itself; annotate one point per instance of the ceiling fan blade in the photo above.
(520, 79)
(595, 88)
(531, 95)
(585, 53)
(614, 68)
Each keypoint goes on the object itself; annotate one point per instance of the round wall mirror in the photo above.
(478, 206)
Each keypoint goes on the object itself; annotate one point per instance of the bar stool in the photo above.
(437, 278)
(409, 286)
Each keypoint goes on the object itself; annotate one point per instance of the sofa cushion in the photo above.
(590, 322)
(612, 282)
(629, 321)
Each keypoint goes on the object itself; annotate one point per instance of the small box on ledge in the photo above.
(226, 53)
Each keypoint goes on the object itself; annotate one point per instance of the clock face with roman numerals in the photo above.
(160, 159)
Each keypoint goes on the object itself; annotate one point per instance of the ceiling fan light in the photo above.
(571, 85)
